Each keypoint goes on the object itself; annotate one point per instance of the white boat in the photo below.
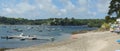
(21, 36)
(28, 37)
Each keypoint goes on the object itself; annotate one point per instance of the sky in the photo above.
(44, 9)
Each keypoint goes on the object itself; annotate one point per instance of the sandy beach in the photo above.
(90, 41)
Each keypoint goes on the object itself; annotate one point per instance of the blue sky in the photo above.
(43, 9)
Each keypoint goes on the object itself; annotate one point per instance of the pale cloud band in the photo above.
(42, 9)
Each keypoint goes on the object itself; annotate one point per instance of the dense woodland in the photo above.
(52, 21)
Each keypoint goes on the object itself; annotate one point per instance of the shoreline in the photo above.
(90, 41)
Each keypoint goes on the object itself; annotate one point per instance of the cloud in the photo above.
(47, 8)
(8, 10)
(83, 2)
(72, 10)
(70, 6)
(23, 7)
(63, 10)
(93, 14)
(68, 9)
(102, 5)
(19, 8)
(82, 9)
(98, 8)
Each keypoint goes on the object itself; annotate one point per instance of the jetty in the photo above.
(27, 37)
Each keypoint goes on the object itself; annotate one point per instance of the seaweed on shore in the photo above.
(82, 31)
(3, 49)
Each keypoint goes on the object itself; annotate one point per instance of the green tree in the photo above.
(114, 8)
(107, 19)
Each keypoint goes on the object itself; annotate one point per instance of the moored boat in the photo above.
(27, 37)
(21, 36)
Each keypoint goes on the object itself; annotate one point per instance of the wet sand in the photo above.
(90, 41)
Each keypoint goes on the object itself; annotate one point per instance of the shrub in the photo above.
(105, 26)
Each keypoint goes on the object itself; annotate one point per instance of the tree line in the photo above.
(52, 21)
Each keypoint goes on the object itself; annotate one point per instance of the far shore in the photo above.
(90, 41)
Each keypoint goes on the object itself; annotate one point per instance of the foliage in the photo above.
(109, 19)
(82, 31)
(52, 21)
(3, 49)
(114, 8)
(105, 26)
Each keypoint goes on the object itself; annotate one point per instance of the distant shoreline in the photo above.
(52, 21)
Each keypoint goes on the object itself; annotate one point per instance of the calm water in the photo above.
(58, 32)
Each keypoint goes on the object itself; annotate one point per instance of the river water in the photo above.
(58, 32)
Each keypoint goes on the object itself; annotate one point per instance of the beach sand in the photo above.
(90, 41)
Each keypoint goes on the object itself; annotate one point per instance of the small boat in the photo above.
(27, 37)
(21, 36)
